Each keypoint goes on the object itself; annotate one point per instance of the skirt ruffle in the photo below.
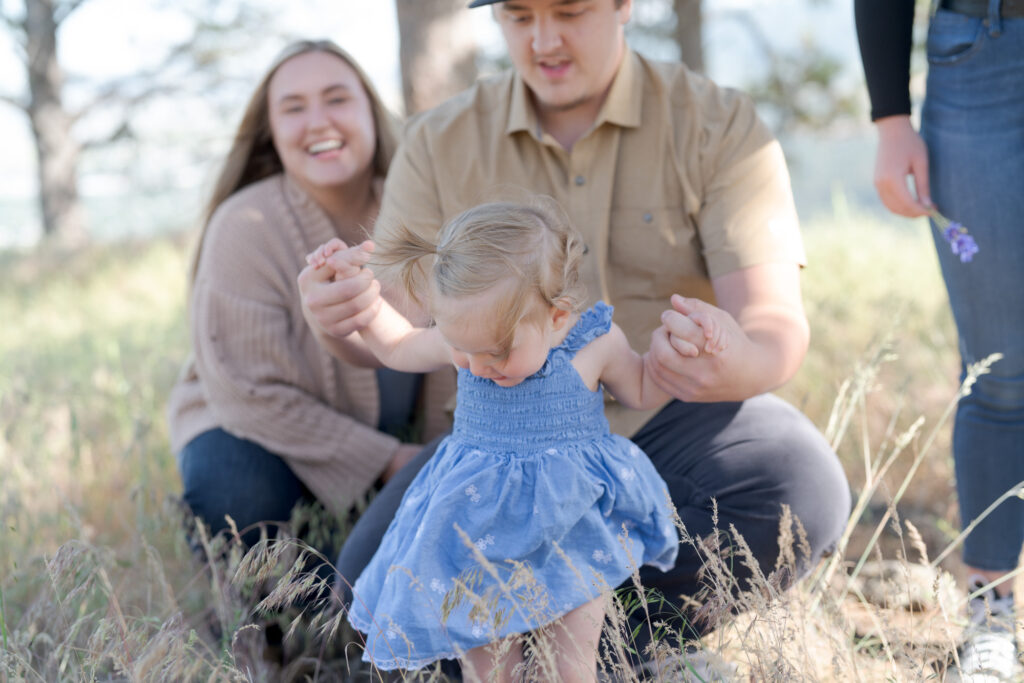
(575, 520)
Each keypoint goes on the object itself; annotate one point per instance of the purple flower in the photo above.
(964, 246)
(961, 243)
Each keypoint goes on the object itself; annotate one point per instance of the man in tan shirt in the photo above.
(684, 200)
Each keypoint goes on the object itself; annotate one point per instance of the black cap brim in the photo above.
(481, 3)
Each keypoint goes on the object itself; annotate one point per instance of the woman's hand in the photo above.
(339, 295)
(901, 153)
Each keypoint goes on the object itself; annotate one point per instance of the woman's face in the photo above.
(321, 121)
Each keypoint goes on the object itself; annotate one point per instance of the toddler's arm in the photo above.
(389, 335)
(624, 372)
(627, 374)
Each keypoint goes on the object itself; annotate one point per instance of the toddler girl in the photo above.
(530, 510)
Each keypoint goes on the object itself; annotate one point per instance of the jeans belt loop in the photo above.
(995, 23)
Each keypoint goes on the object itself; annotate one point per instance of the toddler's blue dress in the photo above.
(531, 480)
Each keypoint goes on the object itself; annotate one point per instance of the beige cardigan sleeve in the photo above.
(261, 369)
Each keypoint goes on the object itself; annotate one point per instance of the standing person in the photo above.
(262, 417)
(684, 201)
(530, 474)
(968, 163)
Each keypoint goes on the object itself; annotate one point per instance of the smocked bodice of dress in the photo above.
(550, 409)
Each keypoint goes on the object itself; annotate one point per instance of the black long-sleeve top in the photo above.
(885, 34)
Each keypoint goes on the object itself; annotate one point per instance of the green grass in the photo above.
(96, 579)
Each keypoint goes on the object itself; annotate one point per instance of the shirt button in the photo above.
(648, 218)
(580, 180)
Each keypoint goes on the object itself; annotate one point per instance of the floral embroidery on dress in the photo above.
(627, 474)
(634, 450)
(437, 585)
(473, 494)
(551, 451)
(602, 556)
(482, 543)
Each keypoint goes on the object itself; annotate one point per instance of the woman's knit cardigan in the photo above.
(257, 370)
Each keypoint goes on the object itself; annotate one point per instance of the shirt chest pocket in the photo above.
(653, 251)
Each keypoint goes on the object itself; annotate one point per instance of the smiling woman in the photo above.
(262, 417)
(322, 123)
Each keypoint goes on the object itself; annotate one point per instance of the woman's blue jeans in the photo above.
(973, 124)
(223, 475)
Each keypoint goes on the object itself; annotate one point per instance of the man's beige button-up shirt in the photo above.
(677, 182)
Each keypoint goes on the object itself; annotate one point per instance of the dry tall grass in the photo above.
(99, 581)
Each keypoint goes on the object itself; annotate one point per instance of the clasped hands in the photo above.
(692, 354)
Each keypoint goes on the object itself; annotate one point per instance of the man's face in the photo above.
(567, 51)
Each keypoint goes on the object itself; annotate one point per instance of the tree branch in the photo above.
(203, 48)
(66, 9)
(13, 101)
(125, 92)
(11, 22)
(123, 132)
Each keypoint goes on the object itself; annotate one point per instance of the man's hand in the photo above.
(339, 295)
(694, 354)
(901, 153)
(752, 342)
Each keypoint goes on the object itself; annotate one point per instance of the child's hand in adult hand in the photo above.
(713, 322)
(339, 295)
(318, 257)
(692, 355)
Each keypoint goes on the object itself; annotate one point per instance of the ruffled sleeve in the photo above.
(594, 322)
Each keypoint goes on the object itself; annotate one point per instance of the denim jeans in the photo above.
(973, 124)
(726, 464)
(225, 475)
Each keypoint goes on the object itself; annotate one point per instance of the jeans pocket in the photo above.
(953, 37)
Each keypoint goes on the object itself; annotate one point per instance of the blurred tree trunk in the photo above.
(437, 51)
(689, 33)
(35, 30)
(57, 151)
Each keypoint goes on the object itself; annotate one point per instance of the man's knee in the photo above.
(752, 460)
(797, 463)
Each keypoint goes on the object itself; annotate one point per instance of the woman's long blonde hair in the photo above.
(252, 156)
(530, 249)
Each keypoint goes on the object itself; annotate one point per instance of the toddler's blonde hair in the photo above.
(529, 248)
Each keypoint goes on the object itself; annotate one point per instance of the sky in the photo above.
(108, 37)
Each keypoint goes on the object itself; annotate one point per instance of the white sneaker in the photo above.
(988, 653)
